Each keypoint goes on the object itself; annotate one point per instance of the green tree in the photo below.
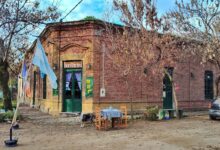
(89, 18)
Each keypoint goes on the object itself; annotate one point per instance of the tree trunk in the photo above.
(217, 86)
(4, 78)
(132, 111)
(131, 100)
(175, 99)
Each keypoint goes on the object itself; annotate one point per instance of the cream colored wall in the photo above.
(86, 56)
(80, 50)
(86, 102)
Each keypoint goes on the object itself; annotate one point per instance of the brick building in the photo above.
(86, 77)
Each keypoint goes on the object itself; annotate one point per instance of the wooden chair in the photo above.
(100, 122)
(124, 118)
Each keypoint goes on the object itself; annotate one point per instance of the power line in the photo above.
(71, 10)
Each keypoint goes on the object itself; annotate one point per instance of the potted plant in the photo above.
(151, 112)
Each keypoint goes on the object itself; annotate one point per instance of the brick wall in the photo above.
(84, 41)
(188, 77)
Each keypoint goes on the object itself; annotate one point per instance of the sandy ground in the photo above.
(42, 132)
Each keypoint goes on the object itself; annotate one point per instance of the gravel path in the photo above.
(41, 131)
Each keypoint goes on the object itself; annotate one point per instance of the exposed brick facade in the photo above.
(83, 40)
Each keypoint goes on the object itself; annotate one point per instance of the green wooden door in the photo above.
(72, 90)
(167, 91)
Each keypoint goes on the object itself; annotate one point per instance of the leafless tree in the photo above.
(198, 20)
(138, 47)
(18, 20)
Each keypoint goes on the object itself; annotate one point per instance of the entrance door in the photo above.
(167, 91)
(72, 90)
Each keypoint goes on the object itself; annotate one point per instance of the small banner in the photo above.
(89, 86)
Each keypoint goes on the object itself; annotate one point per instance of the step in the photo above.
(70, 114)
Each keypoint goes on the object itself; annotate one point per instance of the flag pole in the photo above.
(23, 89)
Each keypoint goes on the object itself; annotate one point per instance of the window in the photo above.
(209, 85)
(45, 87)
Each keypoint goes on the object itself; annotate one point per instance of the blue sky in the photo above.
(98, 8)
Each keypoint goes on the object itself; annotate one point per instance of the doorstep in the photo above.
(70, 114)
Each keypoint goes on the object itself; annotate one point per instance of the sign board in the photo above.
(89, 86)
(73, 64)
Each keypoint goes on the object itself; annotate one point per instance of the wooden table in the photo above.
(111, 114)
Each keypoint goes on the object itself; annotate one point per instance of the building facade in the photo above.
(86, 77)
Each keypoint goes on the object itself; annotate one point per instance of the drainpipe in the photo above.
(59, 70)
(34, 90)
(103, 71)
(189, 82)
(103, 65)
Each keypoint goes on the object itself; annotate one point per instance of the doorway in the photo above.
(167, 90)
(72, 90)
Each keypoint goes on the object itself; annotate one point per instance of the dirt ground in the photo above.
(43, 132)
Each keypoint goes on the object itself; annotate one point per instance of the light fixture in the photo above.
(55, 66)
(89, 66)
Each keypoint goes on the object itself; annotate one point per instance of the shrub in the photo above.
(2, 117)
(8, 116)
(151, 113)
(14, 104)
(1, 104)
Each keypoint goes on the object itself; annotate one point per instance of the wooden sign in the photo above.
(73, 64)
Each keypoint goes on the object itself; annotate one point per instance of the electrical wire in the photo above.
(71, 10)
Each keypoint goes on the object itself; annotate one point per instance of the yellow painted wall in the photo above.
(72, 50)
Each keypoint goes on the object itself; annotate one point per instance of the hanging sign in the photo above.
(73, 64)
(89, 86)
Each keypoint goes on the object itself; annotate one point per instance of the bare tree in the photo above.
(137, 48)
(18, 20)
(198, 20)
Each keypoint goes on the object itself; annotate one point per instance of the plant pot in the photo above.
(152, 117)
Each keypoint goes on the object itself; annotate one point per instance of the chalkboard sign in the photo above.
(89, 86)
